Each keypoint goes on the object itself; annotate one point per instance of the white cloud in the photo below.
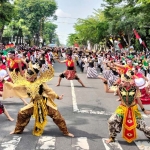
(61, 13)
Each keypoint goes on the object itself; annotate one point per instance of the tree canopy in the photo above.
(6, 15)
(117, 18)
(30, 16)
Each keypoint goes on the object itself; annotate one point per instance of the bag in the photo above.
(1, 108)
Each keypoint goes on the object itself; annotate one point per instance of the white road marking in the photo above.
(145, 116)
(46, 143)
(12, 144)
(75, 106)
(112, 145)
(86, 111)
(143, 145)
(81, 144)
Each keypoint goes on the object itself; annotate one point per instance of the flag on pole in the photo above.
(139, 38)
(120, 46)
(8, 48)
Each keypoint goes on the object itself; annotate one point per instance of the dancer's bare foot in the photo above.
(83, 85)
(109, 140)
(12, 132)
(69, 134)
(58, 85)
(10, 119)
(118, 100)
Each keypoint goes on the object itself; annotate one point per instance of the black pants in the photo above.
(100, 68)
(81, 66)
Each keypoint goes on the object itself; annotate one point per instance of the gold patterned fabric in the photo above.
(23, 89)
(39, 113)
(39, 103)
(24, 116)
(115, 126)
(32, 88)
(122, 109)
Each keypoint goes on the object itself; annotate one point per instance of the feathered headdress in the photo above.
(43, 75)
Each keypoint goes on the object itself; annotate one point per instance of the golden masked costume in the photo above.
(127, 115)
(41, 104)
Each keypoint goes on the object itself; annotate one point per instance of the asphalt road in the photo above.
(86, 111)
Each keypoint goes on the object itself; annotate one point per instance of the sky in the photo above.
(68, 11)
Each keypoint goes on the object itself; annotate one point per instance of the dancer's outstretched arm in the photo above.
(147, 112)
(62, 62)
(118, 65)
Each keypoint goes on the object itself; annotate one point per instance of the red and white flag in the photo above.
(139, 38)
(120, 46)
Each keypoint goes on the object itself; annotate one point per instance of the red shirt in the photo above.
(47, 58)
(13, 63)
(70, 63)
(2, 67)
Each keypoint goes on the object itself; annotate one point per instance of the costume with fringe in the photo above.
(127, 117)
(41, 104)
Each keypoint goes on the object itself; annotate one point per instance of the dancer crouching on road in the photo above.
(42, 100)
(70, 73)
(127, 115)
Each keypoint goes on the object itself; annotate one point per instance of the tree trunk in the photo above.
(129, 39)
(1, 33)
(17, 40)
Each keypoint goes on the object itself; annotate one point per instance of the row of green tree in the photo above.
(117, 18)
(31, 17)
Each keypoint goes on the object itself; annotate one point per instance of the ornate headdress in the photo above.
(44, 75)
(35, 68)
(128, 76)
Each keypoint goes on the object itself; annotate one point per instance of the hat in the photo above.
(140, 83)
